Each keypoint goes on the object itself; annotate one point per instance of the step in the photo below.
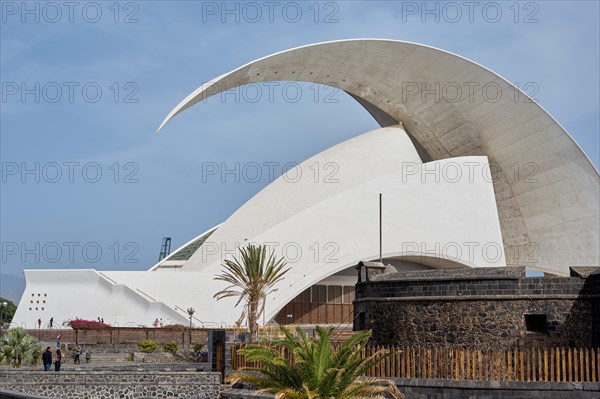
(104, 358)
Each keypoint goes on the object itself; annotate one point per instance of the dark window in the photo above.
(334, 294)
(306, 296)
(536, 323)
(319, 294)
(314, 298)
(297, 299)
(303, 297)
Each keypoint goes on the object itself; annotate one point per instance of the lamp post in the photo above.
(191, 313)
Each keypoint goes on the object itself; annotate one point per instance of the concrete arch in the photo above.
(546, 189)
(321, 228)
(541, 211)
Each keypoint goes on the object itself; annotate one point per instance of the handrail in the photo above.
(137, 289)
(195, 318)
(108, 278)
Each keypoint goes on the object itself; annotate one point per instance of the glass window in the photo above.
(319, 294)
(335, 294)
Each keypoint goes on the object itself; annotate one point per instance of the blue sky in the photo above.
(84, 88)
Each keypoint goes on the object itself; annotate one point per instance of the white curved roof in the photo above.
(326, 225)
(320, 226)
(542, 209)
(546, 189)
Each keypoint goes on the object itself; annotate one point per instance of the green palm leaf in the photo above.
(316, 369)
(18, 348)
(251, 278)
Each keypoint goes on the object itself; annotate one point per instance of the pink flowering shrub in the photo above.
(88, 325)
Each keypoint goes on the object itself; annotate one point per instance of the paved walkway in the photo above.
(123, 366)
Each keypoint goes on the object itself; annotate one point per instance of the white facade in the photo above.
(449, 211)
(549, 212)
(440, 214)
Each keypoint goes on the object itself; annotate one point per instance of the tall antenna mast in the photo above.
(380, 231)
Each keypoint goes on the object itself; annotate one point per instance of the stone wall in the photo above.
(112, 384)
(123, 335)
(244, 394)
(441, 389)
(413, 388)
(207, 387)
(483, 308)
(118, 367)
(163, 357)
(101, 348)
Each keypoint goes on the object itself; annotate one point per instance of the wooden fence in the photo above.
(517, 364)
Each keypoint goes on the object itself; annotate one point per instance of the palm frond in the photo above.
(17, 348)
(316, 369)
(251, 277)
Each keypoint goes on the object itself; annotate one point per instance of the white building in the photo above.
(451, 132)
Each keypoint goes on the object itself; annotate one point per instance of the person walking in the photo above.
(77, 355)
(58, 360)
(47, 359)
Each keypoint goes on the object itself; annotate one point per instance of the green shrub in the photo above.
(170, 346)
(147, 346)
(18, 348)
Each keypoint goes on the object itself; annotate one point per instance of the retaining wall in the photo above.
(413, 388)
(482, 308)
(113, 384)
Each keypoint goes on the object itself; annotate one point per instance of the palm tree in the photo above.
(252, 278)
(315, 369)
(17, 347)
